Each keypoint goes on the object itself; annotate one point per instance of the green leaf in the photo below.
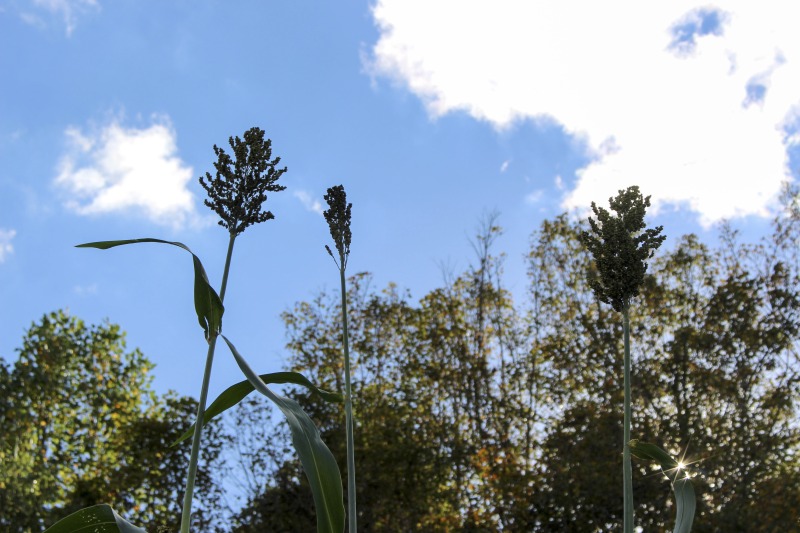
(685, 498)
(646, 451)
(97, 519)
(686, 502)
(207, 303)
(317, 460)
(236, 393)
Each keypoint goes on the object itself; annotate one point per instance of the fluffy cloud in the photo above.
(128, 169)
(696, 103)
(6, 248)
(308, 202)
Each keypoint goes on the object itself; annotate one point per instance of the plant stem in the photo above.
(227, 268)
(186, 516)
(627, 477)
(348, 407)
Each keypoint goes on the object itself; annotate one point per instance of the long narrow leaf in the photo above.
(686, 502)
(97, 519)
(317, 460)
(236, 393)
(651, 452)
(207, 303)
(685, 498)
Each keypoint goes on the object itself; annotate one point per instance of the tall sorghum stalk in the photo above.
(621, 245)
(338, 218)
(236, 194)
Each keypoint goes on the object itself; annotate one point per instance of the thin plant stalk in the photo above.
(348, 408)
(338, 218)
(627, 471)
(621, 244)
(186, 515)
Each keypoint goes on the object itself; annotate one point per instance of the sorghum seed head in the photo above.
(240, 187)
(338, 218)
(621, 246)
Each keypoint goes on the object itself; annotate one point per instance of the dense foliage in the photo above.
(478, 414)
(473, 412)
(82, 426)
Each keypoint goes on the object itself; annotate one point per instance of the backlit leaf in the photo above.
(97, 519)
(317, 460)
(236, 393)
(207, 303)
(685, 498)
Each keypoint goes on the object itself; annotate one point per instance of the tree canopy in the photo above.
(475, 409)
(478, 413)
(82, 426)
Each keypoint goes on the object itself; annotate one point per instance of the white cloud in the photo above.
(6, 248)
(697, 105)
(67, 10)
(504, 166)
(85, 290)
(535, 196)
(308, 202)
(119, 169)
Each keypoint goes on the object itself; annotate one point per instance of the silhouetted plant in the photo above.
(338, 217)
(237, 194)
(621, 244)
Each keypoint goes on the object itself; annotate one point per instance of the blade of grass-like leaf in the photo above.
(317, 460)
(236, 393)
(96, 519)
(685, 498)
(647, 451)
(686, 501)
(207, 303)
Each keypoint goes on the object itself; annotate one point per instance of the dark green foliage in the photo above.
(102, 519)
(620, 248)
(285, 505)
(240, 187)
(317, 460)
(237, 392)
(479, 414)
(338, 217)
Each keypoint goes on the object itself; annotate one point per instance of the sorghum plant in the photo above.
(621, 246)
(338, 218)
(237, 194)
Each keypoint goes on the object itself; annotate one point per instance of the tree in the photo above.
(477, 413)
(715, 374)
(427, 396)
(82, 426)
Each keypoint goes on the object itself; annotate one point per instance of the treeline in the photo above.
(81, 425)
(473, 412)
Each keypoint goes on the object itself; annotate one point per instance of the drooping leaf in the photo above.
(207, 303)
(686, 501)
(685, 498)
(96, 519)
(236, 393)
(651, 452)
(317, 460)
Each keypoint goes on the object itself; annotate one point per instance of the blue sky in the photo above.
(430, 113)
